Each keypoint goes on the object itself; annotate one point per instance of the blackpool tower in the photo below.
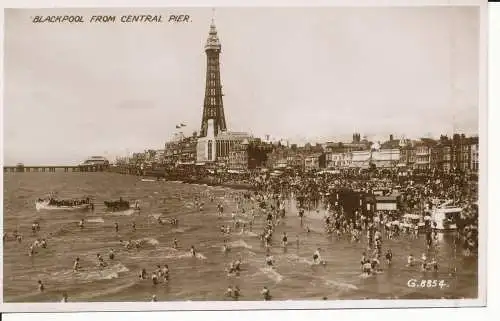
(213, 120)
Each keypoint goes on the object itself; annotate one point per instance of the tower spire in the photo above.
(213, 39)
(213, 120)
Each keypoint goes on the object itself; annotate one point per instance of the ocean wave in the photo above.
(155, 215)
(272, 274)
(123, 213)
(91, 274)
(199, 256)
(147, 240)
(340, 285)
(372, 274)
(169, 253)
(240, 244)
(299, 259)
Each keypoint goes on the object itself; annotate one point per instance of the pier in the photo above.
(54, 168)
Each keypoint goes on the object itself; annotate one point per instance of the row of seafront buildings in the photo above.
(444, 154)
(240, 152)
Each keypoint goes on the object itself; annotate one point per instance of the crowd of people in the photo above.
(416, 194)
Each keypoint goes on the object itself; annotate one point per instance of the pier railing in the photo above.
(54, 168)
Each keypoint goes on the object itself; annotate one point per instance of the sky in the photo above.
(301, 74)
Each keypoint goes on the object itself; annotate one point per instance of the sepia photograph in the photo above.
(240, 155)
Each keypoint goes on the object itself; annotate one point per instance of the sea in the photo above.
(205, 276)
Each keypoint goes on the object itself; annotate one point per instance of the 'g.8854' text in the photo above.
(413, 283)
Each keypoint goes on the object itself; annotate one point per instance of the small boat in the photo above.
(120, 205)
(62, 205)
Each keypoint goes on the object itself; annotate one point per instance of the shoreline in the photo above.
(210, 181)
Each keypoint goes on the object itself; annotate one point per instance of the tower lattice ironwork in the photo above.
(213, 107)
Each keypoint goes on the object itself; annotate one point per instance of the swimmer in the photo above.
(176, 244)
(133, 226)
(434, 265)
(81, 224)
(307, 229)
(100, 261)
(229, 291)
(284, 240)
(367, 268)
(143, 274)
(64, 298)
(154, 278)
(236, 293)
(31, 250)
(424, 262)
(193, 251)
(76, 265)
(388, 257)
(269, 260)
(375, 263)
(225, 248)
(19, 238)
(111, 254)
(411, 260)
(317, 257)
(41, 287)
(363, 259)
(43, 243)
(231, 268)
(154, 298)
(165, 272)
(266, 294)
(237, 264)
